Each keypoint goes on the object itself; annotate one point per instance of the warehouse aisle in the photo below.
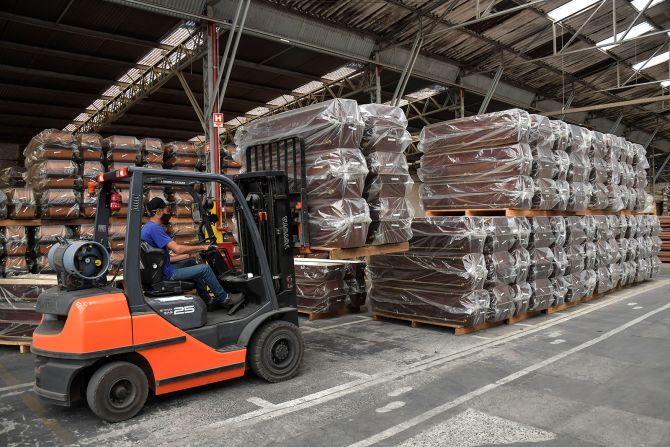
(596, 375)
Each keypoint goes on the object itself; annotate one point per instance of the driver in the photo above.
(184, 268)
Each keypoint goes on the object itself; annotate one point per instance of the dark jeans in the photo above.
(203, 276)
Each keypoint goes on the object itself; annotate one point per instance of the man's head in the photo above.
(159, 210)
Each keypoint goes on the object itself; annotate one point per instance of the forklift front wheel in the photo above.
(117, 391)
(276, 350)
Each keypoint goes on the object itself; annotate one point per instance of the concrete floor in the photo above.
(595, 375)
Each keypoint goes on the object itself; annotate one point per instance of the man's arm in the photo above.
(185, 249)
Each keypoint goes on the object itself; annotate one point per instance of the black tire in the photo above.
(117, 391)
(276, 350)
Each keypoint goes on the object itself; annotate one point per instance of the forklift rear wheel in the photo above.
(275, 352)
(117, 391)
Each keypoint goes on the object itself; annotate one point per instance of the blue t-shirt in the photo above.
(155, 235)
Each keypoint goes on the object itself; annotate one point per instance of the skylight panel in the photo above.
(656, 60)
(237, 121)
(640, 4)
(570, 9)
(281, 100)
(665, 83)
(258, 111)
(81, 117)
(426, 92)
(70, 127)
(151, 57)
(309, 87)
(635, 31)
(340, 73)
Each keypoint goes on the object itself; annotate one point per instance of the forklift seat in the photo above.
(152, 260)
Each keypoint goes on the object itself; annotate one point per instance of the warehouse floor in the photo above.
(597, 374)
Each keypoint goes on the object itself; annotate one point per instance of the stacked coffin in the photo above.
(184, 156)
(603, 166)
(440, 278)
(388, 182)
(665, 238)
(335, 169)
(18, 318)
(502, 268)
(117, 242)
(18, 259)
(52, 162)
(579, 141)
(483, 161)
(122, 152)
(90, 149)
(326, 287)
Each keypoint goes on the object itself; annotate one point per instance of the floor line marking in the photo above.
(360, 375)
(524, 324)
(319, 329)
(423, 417)
(16, 387)
(336, 392)
(481, 336)
(260, 402)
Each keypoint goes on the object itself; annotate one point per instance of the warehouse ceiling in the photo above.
(59, 57)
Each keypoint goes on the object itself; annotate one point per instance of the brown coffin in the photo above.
(513, 192)
(90, 146)
(447, 236)
(338, 223)
(501, 304)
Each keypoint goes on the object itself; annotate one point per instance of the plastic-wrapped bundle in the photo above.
(59, 204)
(53, 174)
(614, 226)
(559, 286)
(522, 295)
(17, 309)
(541, 263)
(463, 274)
(522, 262)
(655, 263)
(21, 203)
(590, 280)
(447, 236)
(600, 146)
(590, 254)
(501, 304)
(563, 194)
(480, 164)
(546, 195)
(390, 163)
(386, 185)
(384, 129)
(628, 177)
(391, 221)
(576, 259)
(513, 192)
(602, 227)
(562, 135)
(581, 140)
(580, 196)
(561, 165)
(152, 152)
(183, 233)
(615, 194)
(501, 233)
(580, 168)
(17, 265)
(522, 229)
(122, 149)
(559, 230)
(184, 154)
(4, 202)
(90, 146)
(51, 144)
(543, 295)
(599, 197)
(613, 173)
(542, 234)
(575, 230)
(540, 132)
(182, 202)
(354, 281)
(628, 152)
(543, 163)
(91, 170)
(489, 130)
(12, 177)
(501, 267)
(599, 171)
(561, 261)
(339, 223)
(16, 240)
(327, 125)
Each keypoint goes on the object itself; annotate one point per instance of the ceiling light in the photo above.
(640, 4)
(569, 9)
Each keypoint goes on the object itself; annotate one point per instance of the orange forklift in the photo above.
(112, 344)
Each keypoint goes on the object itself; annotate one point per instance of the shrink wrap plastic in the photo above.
(561, 165)
(90, 147)
(335, 167)
(53, 174)
(121, 144)
(21, 203)
(385, 129)
(17, 309)
(562, 135)
(580, 196)
(512, 192)
(51, 144)
(152, 151)
(328, 286)
(45, 236)
(59, 204)
(391, 221)
(4, 202)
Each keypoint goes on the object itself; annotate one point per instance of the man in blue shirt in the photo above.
(184, 268)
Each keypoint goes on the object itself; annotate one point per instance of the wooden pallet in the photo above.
(418, 321)
(338, 313)
(522, 317)
(509, 212)
(561, 307)
(22, 342)
(356, 252)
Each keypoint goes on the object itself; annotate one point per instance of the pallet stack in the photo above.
(665, 238)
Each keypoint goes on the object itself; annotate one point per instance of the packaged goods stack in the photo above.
(542, 263)
(151, 153)
(576, 248)
(184, 156)
(665, 238)
(21, 203)
(502, 268)
(354, 281)
(640, 167)
(90, 149)
(18, 260)
(122, 152)
(559, 279)
(443, 251)
(603, 166)
(579, 144)
(665, 210)
(18, 318)
(388, 182)
(498, 160)
(52, 163)
(44, 237)
(335, 169)
(561, 139)
(183, 233)
(629, 178)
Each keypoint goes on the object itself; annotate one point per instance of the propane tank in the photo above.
(79, 264)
